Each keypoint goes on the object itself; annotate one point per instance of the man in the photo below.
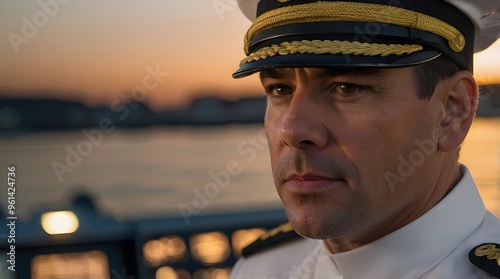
(368, 104)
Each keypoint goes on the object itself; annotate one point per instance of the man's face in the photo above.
(337, 142)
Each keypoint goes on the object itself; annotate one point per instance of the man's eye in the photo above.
(279, 90)
(347, 88)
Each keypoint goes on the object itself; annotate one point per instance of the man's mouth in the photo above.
(310, 183)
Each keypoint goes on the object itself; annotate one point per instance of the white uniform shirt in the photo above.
(436, 246)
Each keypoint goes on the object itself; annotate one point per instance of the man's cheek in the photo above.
(367, 156)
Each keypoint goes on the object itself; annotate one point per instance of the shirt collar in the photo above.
(414, 249)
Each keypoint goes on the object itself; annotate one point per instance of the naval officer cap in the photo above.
(365, 33)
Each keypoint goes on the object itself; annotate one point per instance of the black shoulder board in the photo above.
(279, 235)
(486, 257)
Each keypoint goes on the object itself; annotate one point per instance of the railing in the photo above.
(78, 242)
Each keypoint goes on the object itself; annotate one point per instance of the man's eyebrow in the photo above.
(272, 73)
(357, 72)
(328, 72)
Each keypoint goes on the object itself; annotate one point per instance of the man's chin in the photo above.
(318, 223)
(309, 225)
(311, 232)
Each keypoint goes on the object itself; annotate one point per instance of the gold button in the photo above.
(458, 43)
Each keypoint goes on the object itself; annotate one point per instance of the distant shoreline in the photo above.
(18, 116)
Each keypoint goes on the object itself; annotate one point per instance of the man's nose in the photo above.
(304, 123)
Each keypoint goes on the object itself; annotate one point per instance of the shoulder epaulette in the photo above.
(486, 257)
(272, 238)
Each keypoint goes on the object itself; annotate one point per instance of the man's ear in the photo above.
(460, 108)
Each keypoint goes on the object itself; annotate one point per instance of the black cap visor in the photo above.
(335, 61)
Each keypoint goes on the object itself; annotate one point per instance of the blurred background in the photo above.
(128, 109)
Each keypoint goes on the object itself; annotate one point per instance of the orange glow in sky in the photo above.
(96, 51)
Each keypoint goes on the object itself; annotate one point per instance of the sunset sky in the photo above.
(96, 51)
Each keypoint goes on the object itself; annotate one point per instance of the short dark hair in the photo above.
(429, 74)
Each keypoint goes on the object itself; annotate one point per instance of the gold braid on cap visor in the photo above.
(343, 11)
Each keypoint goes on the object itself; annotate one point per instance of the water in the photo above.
(150, 172)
